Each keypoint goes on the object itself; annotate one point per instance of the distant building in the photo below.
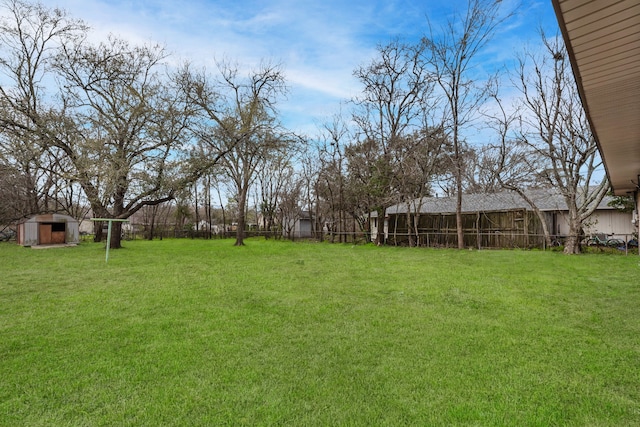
(502, 219)
(298, 227)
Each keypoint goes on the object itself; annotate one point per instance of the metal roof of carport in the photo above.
(603, 41)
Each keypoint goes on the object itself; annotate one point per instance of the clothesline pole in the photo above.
(109, 223)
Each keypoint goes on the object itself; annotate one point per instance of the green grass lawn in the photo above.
(192, 332)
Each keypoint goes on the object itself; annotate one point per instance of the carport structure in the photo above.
(603, 42)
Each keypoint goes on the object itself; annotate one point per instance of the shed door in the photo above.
(44, 234)
(58, 232)
(51, 233)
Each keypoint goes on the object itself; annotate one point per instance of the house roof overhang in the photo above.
(603, 42)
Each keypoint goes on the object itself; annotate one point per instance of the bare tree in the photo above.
(479, 173)
(127, 122)
(397, 91)
(289, 205)
(30, 35)
(331, 187)
(24, 181)
(452, 53)
(272, 179)
(512, 163)
(239, 125)
(111, 115)
(16, 192)
(417, 160)
(555, 127)
(367, 185)
(310, 169)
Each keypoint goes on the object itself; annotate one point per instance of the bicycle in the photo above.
(557, 241)
(604, 240)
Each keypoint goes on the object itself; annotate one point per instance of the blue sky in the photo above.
(319, 43)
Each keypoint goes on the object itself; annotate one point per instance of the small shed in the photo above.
(298, 227)
(48, 229)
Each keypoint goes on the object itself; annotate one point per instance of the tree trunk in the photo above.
(409, 228)
(380, 231)
(459, 228)
(242, 201)
(395, 230)
(416, 225)
(97, 231)
(116, 235)
(545, 227)
(151, 227)
(458, 172)
(116, 226)
(572, 243)
(224, 218)
(208, 206)
(195, 200)
(478, 235)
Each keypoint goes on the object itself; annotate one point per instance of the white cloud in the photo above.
(319, 43)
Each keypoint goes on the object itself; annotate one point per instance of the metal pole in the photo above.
(109, 221)
(108, 240)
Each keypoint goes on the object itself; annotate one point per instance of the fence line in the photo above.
(505, 239)
(433, 239)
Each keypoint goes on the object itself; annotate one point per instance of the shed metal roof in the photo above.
(49, 217)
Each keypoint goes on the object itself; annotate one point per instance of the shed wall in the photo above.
(72, 232)
(29, 233)
(302, 228)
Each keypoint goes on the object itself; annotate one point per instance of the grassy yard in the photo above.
(192, 332)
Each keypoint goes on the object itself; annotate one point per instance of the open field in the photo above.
(192, 332)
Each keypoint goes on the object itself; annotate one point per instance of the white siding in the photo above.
(610, 222)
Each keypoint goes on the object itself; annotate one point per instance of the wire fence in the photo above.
(626, 243)
(511, 240)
